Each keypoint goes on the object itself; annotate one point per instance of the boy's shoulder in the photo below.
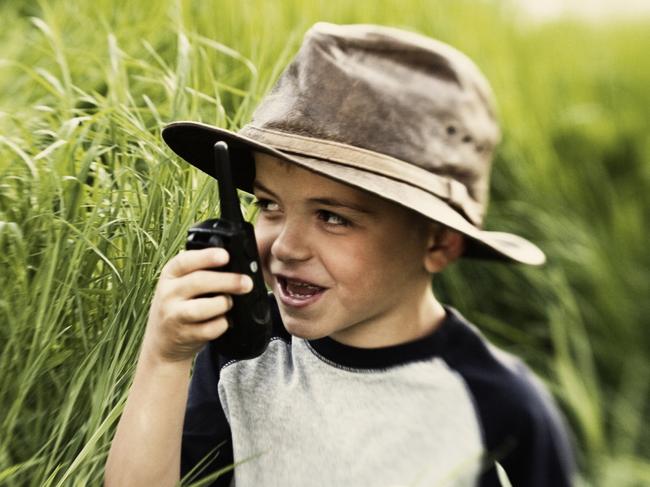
(494, 375)
(522, 425)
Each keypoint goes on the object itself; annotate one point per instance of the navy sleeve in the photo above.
(521, 425)
(206, 432)
(541, 455)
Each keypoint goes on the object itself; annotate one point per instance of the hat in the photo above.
(392, 112)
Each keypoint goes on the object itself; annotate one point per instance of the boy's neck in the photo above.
(419, 318)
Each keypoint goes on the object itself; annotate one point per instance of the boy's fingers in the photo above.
(204, 282)
(192, 260)
(203, 309)
(203, 332)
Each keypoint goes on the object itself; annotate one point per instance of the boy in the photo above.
(369, 160)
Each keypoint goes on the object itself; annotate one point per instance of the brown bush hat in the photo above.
(395, 113)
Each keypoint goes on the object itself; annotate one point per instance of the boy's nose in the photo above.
(291, 244)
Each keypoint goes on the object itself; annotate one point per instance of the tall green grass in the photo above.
(92, 204)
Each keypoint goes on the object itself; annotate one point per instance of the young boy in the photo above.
(369, 161)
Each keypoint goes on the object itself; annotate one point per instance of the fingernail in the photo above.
(220, 254)
(247, 283)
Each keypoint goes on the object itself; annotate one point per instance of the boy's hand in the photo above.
(180, 323)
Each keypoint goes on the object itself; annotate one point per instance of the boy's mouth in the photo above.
(298, 293)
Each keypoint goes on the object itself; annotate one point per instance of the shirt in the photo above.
(439, 410)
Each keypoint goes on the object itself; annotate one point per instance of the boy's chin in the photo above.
(302, 330)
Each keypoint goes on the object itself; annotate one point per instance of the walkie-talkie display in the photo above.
(250, 316)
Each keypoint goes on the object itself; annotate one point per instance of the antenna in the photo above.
(230, 209)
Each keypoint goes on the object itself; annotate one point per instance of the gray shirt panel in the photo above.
(299, 420)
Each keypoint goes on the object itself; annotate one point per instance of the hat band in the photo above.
(448, 189)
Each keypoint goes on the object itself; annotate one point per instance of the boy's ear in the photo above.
(443, 247)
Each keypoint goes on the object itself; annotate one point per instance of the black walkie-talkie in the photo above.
(250, 317)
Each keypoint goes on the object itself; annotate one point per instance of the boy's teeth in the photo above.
(301, 289)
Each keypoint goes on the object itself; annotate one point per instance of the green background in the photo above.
(92, 204)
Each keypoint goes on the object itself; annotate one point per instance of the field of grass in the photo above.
(92, 204)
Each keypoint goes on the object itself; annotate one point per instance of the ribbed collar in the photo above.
(424, 348)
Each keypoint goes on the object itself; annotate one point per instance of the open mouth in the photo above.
(297, 293)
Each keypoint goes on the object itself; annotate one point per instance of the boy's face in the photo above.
(366, 263)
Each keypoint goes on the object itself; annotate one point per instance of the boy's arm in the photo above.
(146, 446)
(147, 443)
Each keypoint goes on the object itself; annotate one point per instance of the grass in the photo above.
(92, 204)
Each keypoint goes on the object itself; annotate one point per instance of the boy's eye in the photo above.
(329, 218)
(266, 205)
(333, 219)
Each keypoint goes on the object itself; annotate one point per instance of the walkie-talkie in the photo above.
(250, 316)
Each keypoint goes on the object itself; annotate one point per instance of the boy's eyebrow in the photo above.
(322, 200)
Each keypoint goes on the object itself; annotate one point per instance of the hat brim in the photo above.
(194, 142)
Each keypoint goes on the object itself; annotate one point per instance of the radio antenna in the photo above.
(230, 209)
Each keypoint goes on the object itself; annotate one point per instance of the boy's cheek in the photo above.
(268, 278)
(262, 239)
(263, 248)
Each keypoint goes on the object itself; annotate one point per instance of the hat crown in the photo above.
(394, 93)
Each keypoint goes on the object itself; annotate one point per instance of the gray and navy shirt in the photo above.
(438, 411)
